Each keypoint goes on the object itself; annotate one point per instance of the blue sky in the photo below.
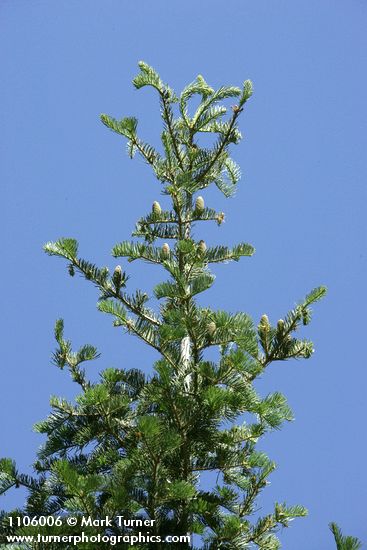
(301, 203)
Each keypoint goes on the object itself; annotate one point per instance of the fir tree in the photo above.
(135, 445)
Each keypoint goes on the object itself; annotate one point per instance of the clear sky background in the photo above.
(301, 203)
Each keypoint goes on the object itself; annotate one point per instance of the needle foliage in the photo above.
(135, 444)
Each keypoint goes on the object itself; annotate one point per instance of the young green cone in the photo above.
(166, 250)
(199, 204)
(211, 328)
(156, 208)
(202, 247)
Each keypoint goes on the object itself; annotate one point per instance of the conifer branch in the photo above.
(167, 117)
(223, 142)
